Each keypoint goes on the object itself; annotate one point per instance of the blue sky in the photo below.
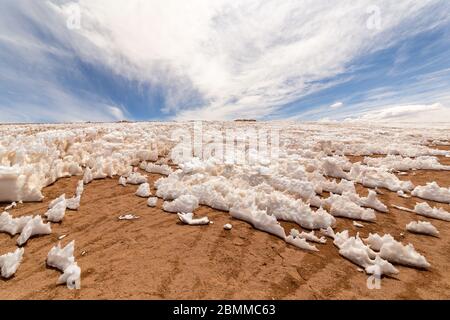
(150, 60)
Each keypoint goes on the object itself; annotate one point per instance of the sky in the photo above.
(308, 60)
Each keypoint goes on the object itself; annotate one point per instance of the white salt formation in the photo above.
(396, 252)
(57, 210)
(357, 252)
(73, 203)
(123, 181)
(151, 202)
(424, 209)
(184, 203)
(328, 232)
(80, 188)
(342, 206)
(188, 218)
(300, 243)
(71, 277)
(87, 177)
(310, 236)
(9, 263)
(371, 201)
(144, 190)
(259, 219)
(338, 188)
(136, 178)
(33, 227)
(11, 206)
(378, 177)
(422, 227)
(63, 259)
(432, 191)
(54, 202)
(399, 163)
(160, 169)
(19, 183)
(12, 225)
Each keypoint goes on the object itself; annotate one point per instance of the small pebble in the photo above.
(128, 217)
(227, 226)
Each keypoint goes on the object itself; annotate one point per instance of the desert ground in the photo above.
(158, 257)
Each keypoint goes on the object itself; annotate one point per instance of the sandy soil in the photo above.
(156, 257)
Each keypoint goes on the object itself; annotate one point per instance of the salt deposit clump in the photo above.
(80, 188)
(63, 259)
(136, 178)
(11, 206)
(71, 277)
(19, 183)
(378, 177)
(123, 181)
(424, 209)
(356, 251)
(9, 262)
(151, 202)
(343, 206)
(73, 203)
(259, 219)
(422, 227)
(338, 188)
(57, 210)
(88, 177)
(396, 252)
(432, 191)
(160, 169)
(33, 227)
(144, 191)
(310, 236)
(53, 203)
(399, 163)
(188, 218)
(184, 203)
(300, 243)
(12, 225)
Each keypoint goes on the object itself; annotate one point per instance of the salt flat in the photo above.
(263, 191)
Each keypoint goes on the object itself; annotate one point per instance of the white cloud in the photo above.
(336, 105)
(116, 112)
(29, 68)
(243, 58)
(409, 113)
